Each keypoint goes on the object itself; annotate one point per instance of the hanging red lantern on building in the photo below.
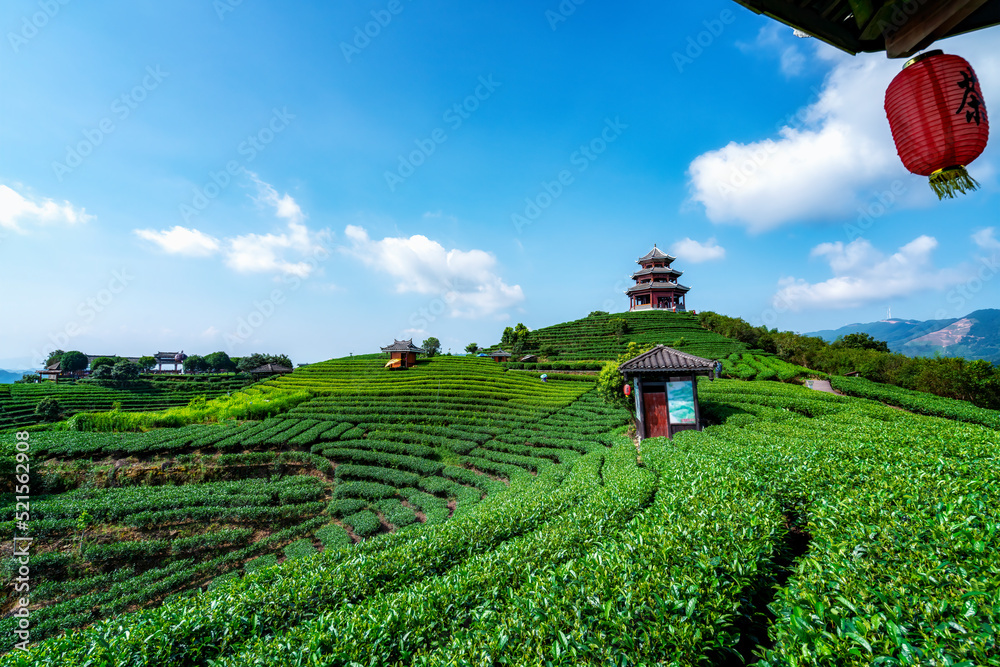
(938, 120)
(628, 390)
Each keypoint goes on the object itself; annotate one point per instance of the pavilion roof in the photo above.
(898, 28)
(643, 287)
(655, 253)
(272, 368)
(403, 346)
(663, 358)
(499, 353)
(54, 366)
(656, 270)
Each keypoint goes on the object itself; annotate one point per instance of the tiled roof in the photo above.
(642, 287)
(499, 353)
(663, 358)
(655, 270)
(403, 346)
(656, 253)
(272, 368)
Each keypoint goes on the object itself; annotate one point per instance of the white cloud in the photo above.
(986, 239)
(831, 157)
(693, 251)
(863, 275)
(17, 209)
(773, 38)
(292, 252)
(284, 205)
(464, 280)
(181, 241)
(260, 253)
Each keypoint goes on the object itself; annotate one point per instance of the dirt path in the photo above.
(822, 385)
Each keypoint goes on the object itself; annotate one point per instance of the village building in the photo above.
(402, 354)
(269, 370)
(499, 355)
(656, 285)
(665, 384)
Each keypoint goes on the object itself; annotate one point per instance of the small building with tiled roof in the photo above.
(499, 355)
(270, 369)
(166, 358)
(665, 384)
(402, 353)
(656, 285)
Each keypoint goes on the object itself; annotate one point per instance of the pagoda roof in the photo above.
(879, 25)
(655, 253)
(653, 270)
(272, 368)
(662, 358)
(54, 366)
(499, 353)
(403, 346)
(643, 287)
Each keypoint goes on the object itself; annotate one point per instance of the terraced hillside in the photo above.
(600, 337)
(18, 401)
(122, 521)
(803, 529)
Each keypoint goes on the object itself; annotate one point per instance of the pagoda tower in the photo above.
(656, 285)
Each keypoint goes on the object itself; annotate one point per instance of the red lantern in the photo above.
(628, 390)
(938, 120)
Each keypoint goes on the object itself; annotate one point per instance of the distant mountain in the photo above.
(8, 377)
(975, 336)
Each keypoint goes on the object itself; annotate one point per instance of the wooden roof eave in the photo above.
(868, 26)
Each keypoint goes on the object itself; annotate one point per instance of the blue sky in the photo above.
(262, 176)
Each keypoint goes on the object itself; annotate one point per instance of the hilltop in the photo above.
(975, 336)
(603, 336)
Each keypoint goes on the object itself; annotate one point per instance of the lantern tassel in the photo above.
(952, 180)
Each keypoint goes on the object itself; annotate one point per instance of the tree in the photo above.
(471, 348)
(125, 371)
(611, 383)
(861, 341)
(48, 409)
(103, 361)
(598, 313)
(29, 378)
(219, 361)
(432, 345)
(507, 338)
(195, 364)
(73, 361)
(255, 360)
(54, 356)
(102, 373)
(146, 364)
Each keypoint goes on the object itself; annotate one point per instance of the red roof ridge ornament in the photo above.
(938, 120)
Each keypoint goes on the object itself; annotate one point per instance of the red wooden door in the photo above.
(655, 409)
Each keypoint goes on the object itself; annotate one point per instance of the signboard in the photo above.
(680, 402)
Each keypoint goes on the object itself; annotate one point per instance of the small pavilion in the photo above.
(499, 355)
(51, 372)
(167, 358)
(402, 353)
(267, 370)
(665, 383)
(656, 286)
